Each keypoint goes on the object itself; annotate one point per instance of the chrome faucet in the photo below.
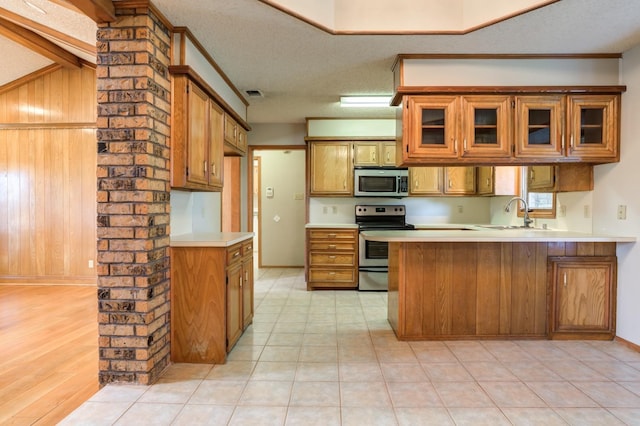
(527, 220)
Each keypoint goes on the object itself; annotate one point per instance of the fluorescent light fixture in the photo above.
(365, 101)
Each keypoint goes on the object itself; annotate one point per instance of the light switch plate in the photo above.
(622, 212)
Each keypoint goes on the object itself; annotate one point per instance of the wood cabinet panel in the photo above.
(539, 126)
(330, 169)
(583, 293)
(425, 180)
(198, 305)
(460, 180)
(332, 258)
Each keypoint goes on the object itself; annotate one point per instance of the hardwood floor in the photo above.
(48, 352)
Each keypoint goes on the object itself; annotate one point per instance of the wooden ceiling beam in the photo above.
(100, 11)
(38, 44)
(50, 33)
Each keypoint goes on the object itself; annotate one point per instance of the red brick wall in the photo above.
(133, 196)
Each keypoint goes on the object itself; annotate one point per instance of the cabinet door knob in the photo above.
(565, 279)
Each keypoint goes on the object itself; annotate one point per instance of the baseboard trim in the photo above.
(627, 343)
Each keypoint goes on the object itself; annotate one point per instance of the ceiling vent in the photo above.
(254, 93)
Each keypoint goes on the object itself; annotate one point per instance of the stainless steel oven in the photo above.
(373, 256)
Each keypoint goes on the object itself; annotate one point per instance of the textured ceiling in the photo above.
(303, 71)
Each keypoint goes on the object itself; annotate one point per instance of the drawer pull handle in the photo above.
(332, 246)
(332, 235)
(236, 254)
(332, 273)
(332, 257)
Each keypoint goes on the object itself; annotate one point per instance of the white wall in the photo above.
(419, 210)
(195, 212)
(282, 214)
(616, 184)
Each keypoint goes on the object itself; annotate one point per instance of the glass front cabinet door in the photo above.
(430, 127)
(593, 126)
(486, 126)
(539, 126)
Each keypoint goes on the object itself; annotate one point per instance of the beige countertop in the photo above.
(209, 239)
(477, 233)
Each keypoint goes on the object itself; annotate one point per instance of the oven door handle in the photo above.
(374, 269)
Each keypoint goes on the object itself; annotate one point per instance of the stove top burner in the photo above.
(381, 217)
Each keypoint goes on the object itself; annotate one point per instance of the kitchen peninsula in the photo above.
(482, 282)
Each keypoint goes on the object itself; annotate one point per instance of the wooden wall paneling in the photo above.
(506, 284)
(415, 299)
(488, 288)
(585, 249)
(464, 289)
(523, 288)
(444, 294)
(88, 202)
(570, 249)
(605, 249)
(541, 288)
(556, 249)
(4, 200)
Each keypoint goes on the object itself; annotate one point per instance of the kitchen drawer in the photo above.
(234, 254)
(332, 275)
(247, 248)
(332, 234)
(329, 245)
(335, 259)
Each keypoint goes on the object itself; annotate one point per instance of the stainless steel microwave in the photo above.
(380, 182)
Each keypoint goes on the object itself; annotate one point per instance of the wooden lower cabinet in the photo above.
(211, 300)
(332, 259)
(583, 298)
(447, 290)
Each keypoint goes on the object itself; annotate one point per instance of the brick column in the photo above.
(133, 195)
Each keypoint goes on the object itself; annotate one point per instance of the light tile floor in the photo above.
(331, 358)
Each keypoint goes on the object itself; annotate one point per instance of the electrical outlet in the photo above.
(90, 263)
(460, 209)
(622, 212)
(587, 211)
(562, 211)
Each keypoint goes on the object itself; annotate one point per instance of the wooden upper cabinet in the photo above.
(460, 180)
(425, 180)
(216, 154)
(235, 137)
(539, 123)
(196, 144)
(540, 178)
(593, 126)
(374, 154)
(517, 126)
(330, 169)
(486, 126)
(485, 180)
(429, 127)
